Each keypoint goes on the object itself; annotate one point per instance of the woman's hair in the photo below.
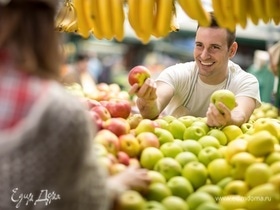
(27, 33)
(231, 35)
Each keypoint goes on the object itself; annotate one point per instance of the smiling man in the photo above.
(186, 88)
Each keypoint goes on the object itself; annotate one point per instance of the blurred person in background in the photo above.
(46, 155)
(185, 88)
(260, 68)
(274, 53)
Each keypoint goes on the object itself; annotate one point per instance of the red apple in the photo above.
(148, 139)
(96, 120)
(123, 158)
(118, 126)
(118, 107)
(130, 145)
(92, 103)
(138, 74)
(102, 111)
(109, 140)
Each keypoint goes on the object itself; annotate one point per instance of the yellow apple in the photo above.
(233, 202)
(234, 147)
(232, 132)
(236, 187)
(261, 143)
(257, 174)
(218, 169)
(220, 135)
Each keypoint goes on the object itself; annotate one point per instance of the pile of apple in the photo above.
(265, 110)
(192, 166)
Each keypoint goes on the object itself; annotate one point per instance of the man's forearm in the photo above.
(148, 108)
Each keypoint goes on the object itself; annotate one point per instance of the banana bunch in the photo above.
(152, 18)
(230, 13)
(66, 18)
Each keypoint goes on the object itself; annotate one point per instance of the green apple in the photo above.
(198, 198)
(174, 202)
(131, 200)
(185, 157)
(157, 191)
(145, 125)
(168, 167)
(236, 187)
(180, 186)
(239, 164)
(257, 174)
(163, 135)
(224, 96)
(196, 173)
(154, 205)
(130, 145)
(155, 176)
(150, 156)
(134, 120)
(187, 120)
(191, 145)
(233, 202)
(218, 169)
(209, 206)
(275, 180)
(261, 143)
(207, 154)
(162, 123)
(169, 118)
(224, 182)
(177, 128)
(201, 123)
(272, 158)
(232, 132)
(170, 149)
(194, 132)
(247, 127)
(207, 141)
(212, 189)
(265, 196)
(219, 134)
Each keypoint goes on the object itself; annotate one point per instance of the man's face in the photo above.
(211, 52)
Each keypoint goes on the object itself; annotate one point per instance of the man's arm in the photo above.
(239, 115)
(153, 97)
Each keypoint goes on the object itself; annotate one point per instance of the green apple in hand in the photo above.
(224, 96)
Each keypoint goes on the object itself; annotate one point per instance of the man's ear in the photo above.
(233, 49)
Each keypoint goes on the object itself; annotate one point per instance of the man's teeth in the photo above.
(206, 64)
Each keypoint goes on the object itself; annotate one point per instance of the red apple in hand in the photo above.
(138, 74)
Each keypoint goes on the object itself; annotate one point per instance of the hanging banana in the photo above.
(272, 8)
(163, 17)
(259, 7)
(195, 10)
(174, 25)
(240, 8)
(83, 26)
(104, 10)
(67, 16)
(227, 6)
(252, 13)
(118, 16)
(94, 18)
(218, 13)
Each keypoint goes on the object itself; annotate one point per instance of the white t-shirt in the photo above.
(195, 101)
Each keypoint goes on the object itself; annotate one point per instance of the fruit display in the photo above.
(192, 166)
(156, 18)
